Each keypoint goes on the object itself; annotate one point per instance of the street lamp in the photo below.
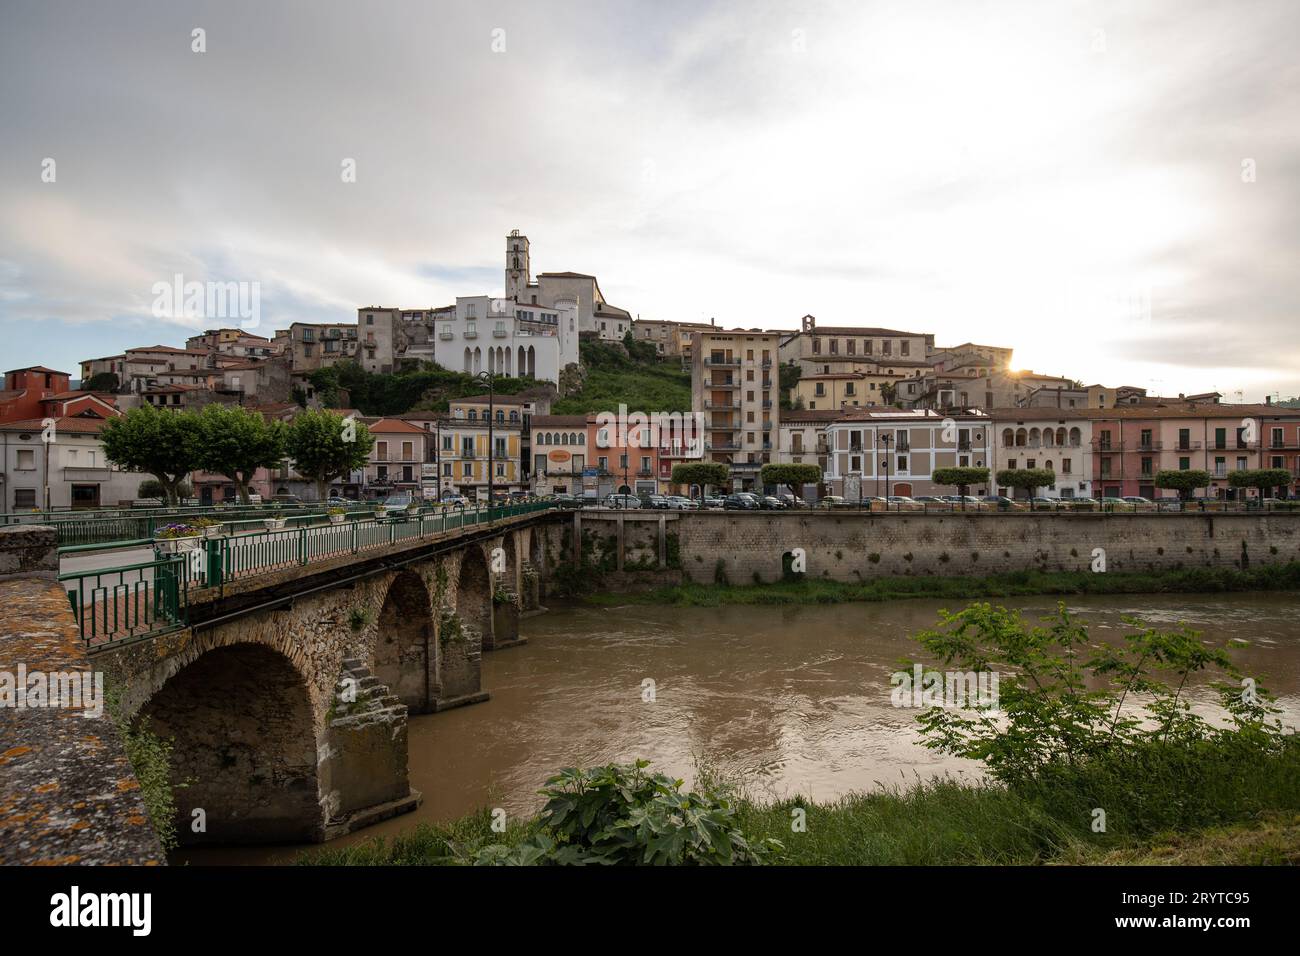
(491, 385)
(885, 439)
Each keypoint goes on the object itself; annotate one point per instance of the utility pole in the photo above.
(491, 384)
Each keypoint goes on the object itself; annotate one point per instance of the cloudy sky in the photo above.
(1109, 188)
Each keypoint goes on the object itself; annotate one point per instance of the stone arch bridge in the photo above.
(287, 693)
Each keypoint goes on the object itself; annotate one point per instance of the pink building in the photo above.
(1131, 444)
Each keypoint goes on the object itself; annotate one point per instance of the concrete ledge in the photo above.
(29, 550)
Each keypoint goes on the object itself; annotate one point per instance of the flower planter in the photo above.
(380, 511)
(336, 519)
(212, 531)
(177, 545)
(273, 524)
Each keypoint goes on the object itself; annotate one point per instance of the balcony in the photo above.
(715, 362)
(724, 383)
(963, 444)
(1107, 446)
(1150, 445)
(730, 405)
(767, 403)
(767, 426)
(470, 333)
(499, 333)
(722, 446)
(1188, 446)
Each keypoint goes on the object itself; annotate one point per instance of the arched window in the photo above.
(1008, 438)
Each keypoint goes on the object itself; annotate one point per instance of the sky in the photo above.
(1109, 188)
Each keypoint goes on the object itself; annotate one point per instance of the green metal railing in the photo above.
(151, 598)
(135, 601)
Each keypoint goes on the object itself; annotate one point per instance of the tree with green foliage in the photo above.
(1027, 479)
(161, 443)
(643, 351)
(153, 488)
(1183, 481)
(102, 382)
(961, 478)
(235, 442)
(702, 473)
(324, 446)
(795, 476)
(1264, 479)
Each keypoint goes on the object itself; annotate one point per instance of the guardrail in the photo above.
(151, 598)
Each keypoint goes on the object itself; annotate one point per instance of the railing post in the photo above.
(302, 544)
(213, 547)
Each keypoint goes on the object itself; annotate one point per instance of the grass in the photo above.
(614, 378)
(1284, 577)
(1164, 805)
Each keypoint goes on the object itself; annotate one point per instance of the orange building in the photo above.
(26, 389)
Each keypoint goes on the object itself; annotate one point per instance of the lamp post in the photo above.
(885, 439)
(491, 384)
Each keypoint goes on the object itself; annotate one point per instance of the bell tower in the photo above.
(518, 272)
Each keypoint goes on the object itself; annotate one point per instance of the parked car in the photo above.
(1040, 503)
(622, 501)
(1002, 502)
(567, 501)
(397, 502)
(682, 503)
(454, 499)
(334, 501)
(904, 503)
(286, 500)
(1138, 500)
(831, 501)
(1120, 503)
(772, 503)
(740, 502)
(967, 502)
(929, 500)
(658, 502)
(714, 502)
(792, 501)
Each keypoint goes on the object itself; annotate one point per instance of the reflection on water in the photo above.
(792, 699)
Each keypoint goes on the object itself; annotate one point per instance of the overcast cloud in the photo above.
(1066, 179)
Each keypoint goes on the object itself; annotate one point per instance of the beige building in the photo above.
(871, 450)
(560, 453)
(1035, 437)
(397, 458)
(670, 339)
(734, 383)
(989, 357)
(311, 345)
(802, 437)
(812, 341)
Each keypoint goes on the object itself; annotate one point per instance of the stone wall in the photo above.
(745, 548)
(29, 551)
(67, 790)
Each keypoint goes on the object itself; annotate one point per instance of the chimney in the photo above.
(1268, 399)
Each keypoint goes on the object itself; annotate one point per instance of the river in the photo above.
(789, 699)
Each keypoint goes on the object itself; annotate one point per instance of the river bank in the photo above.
(1283, 577)
(1245, 811)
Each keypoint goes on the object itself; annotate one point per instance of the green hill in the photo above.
(639, 380)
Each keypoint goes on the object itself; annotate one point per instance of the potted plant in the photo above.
(210, 527)
(336, 514)
(276, 521)
(413, 508)
(175, 538)
(381, 509)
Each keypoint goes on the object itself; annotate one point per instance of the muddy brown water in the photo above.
(789, 699)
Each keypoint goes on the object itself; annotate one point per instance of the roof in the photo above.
(394, 425)
(71, 424)
(873, 412)
(565, 275)
(559, 421)
(1145, 412)
(520, 399)
(9, 394)
(170, 350)
(36, 368)
(793, 415)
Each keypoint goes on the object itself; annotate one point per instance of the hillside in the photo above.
(640, 381)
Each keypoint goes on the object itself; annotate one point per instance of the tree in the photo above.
(1028, 479)
(1183, 481)
(103, 382)
(163, 444)
(325, 446)
(153, 488)
(1265, 479)
(703, 473)
(235, 442)
(796, 476)
(961, 478)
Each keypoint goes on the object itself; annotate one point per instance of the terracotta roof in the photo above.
(36, 368)
(1145, 412)
(793, 415)
(169, 350)
(394, 425)
(559, 421)
(73, 424)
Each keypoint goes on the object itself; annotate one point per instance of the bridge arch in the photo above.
(404, 654)
(474, 594)
(242, 725)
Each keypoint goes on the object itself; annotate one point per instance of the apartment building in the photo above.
(802, 437)
(397, 458)
(1032, 437)
(62, 465)
(1133, 443)
(812, 341)
(233, 342)
(623, 460)
(559, 450)
(670, 339)
(463, 456)
(969, 355)
(734, 383)
(894, 451)
(486, 334)
(308, 346)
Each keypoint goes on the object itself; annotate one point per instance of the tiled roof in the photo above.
(72, 424)
(36, 368)
(559, 421)
(394, 425)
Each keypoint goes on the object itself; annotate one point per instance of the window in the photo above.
(381, 450)
(24, 498)
(26, 460)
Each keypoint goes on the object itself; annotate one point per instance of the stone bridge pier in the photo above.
(288, 721)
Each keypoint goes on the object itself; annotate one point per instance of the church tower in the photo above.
(518, 273)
